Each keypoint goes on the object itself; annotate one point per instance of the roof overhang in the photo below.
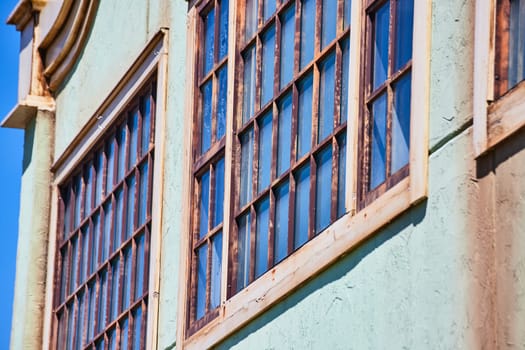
(25, 110)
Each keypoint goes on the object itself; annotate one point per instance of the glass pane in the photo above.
(304, 117)
(73, 268)
(143, 196)
(84, 254)
(348, 13)
(137, 323)
(107, 231)
(341, 191)
(139, 268)
(124, 329)
(204, 204)
(287, 46)
(146, 124)
(404, 31)
(323, 196)
(117, 234)
(284, 134)
(381, 39)
(219, 192)
(63, 275)
(302, 205)
(282, 196)
(223, 29)
(209, 40)
(206, 92)
(121, 141)
(100, 345)
(112, 339)
(88, 181)
(216, 270)
(249, 84)
(378, 161)
(99, 168)
(91, 311)
(222, 102)
(326, 97)
(110, 156)
(329, 25)
(134, 131)
(265, 151)
(60, 329)
(246, 167)
(516, 42)
(126, 288)
(70, 326)
(115, 288)
(66, 197)
(307, 32)
(78, 200)
(130, 212)
(268, 55)
(202, 256)
(345, 47)
(102, 301)
(80, 321)
(261, 243)
(268, 9)
(251, 17)
(401, 123)
(243, 255)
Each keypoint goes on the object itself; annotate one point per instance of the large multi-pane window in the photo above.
(101, 284)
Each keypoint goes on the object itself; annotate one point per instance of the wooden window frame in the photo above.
(150, 66)
(498, 112)
(346, 233)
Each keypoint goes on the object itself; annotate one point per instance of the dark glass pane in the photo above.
(282, 201)
(251, 17)
(63, 275)
(206, 92)
(84, 254)
(130, 214)
(99, 168)
(88, 181)
(345, 47)
(126, 288)
(307, 32)
(78, 200)
(102, 301)
(119, 220)
(139, 267)
(137, 322)
(68, 203)
(121, 141)
(326, 97)
(146, 124)
(246, 167)
(110, 156)
(404, 31)
(209, 40)
(243, 255)
(261, 243)
(223, 29)
(268, 55)
(249, 84)
(216, 270)
(268, 9)
(202, 257)
(73, 267)
(124, 329)
(287, 46)
(304, 117)
(284, 134)
(61, 329)
(381, 38)
(265, 151)
(100, 344)
(219, 192)
(143, 196)
(115, 288)
(302, 205)
(91, 311)
(348, 13)
(329, 24)
(134, 136)
(378, 152)
(323, 196)
(341, 190)
(112, 339)
(107, 231)
(401, 123)
(222, 101)
(204, 204)
(516, 42)
(80, 321)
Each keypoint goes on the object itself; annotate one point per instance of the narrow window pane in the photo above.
(287, 46)
(323, 196)
(268, 9)
(124, 329)
(209, 40)
(246, 167)
(326, 98)
(101, 344)
(66, 197)
(341, 190)
(119, 217)
(88, 180)
(70, 326)
(219, 192)
(251, 18)
(223, 29)
(222, 101)
(102, 301)
(146, 124)
(261, 243)
(516, 43)
(329, 24)
(91, 312)
(112, 339)
(243, 255)
(107, 231)
(216, 270)
(204, 204)
(78, 200)
(73, 267)
(61, 329)
(115, 287)
(110, 156)
(282, 200)
(99, 168)
(206, 92)
(202, 256)
(348, 13)
(381, 39)
(304, 117)
(401, 123)
(121, 140)
(249, 84)
(80, 321)
(84, 253)
(130, 212)
(126, 289)
(345, 47)
(378, 160)
(302, 205)
(143, 196)
(137, 322)
(139, 268)
(404, 31)
(268, 55)
(265, 151)
(307, 32)
(63, 275)
(284, 135)
(134, 136)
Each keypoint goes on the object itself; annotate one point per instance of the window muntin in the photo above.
(385, 125)
(103, 244)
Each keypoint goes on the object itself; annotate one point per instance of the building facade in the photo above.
(270, 174)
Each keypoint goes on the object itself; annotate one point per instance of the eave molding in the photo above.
(26, 110)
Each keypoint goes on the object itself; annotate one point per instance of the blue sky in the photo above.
(11, 147)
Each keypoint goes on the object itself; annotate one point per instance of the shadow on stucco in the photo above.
(29, 140)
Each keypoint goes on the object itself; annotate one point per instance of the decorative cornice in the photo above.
(21, 15)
